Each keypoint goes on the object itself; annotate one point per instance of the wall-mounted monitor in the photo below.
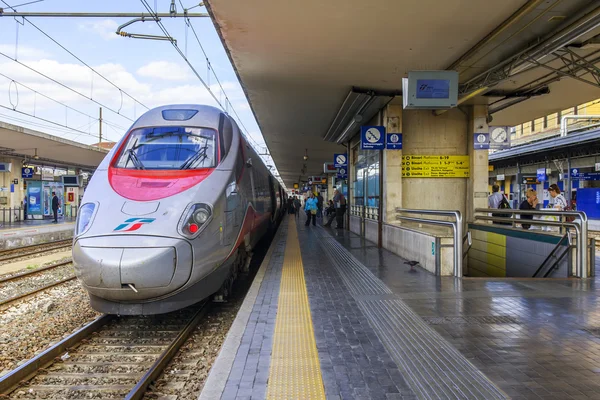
(430, 90)
(72, 180)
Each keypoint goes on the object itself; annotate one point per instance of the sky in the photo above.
(150, 71)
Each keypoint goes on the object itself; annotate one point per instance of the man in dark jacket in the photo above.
(55, 205)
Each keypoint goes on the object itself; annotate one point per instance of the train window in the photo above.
(169, 147)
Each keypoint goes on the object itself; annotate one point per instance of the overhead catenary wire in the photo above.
(65, 86)
(54, 100)
(181, 53)
(47, 120)
(78, 59)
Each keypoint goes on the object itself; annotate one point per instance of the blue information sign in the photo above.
(340, 160)
(34, 198)
(481, 141)
(342, 173)
(584, 176)
(393, 141)
(541, 175)
(372, 137)
(433, 88)
(27, 172)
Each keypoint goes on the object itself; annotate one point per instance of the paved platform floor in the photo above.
(383, 331)
(34, 223)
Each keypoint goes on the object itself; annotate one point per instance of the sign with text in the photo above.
(372, 137)
(342, 173)
(433, 88)
(393, 141)
(420, 166)
(584, 176)
(340, 160)
(481, 141)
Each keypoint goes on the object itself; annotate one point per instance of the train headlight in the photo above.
(201, 216)
(84, 218)
(195, 219)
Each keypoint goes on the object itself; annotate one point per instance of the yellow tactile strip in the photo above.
(295, 371)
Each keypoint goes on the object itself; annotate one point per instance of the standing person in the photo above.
(55, 205)
(319, 205)
(495, 198)
(310, 206)
(560, 203)
(340, 208)
(25, 208)
(530, 203)
(297, 206)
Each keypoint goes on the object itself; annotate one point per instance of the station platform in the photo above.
(25, 233)
(329, 315)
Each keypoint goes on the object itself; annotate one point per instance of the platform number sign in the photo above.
(372, 137)
(340, 160)
(393, 141)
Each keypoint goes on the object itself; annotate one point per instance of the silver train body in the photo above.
(155, 234)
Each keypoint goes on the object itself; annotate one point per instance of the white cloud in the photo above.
(23, 52)
(105, 28)
(165, 70)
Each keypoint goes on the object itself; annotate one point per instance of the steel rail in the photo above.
(35, 271)
(48, 286)
(12, 379)
(163, 360)
(33, 253)
(30, 246)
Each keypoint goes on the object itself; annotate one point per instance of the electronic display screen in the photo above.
(433, 88)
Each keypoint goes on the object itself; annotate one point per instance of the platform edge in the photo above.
(219, 373)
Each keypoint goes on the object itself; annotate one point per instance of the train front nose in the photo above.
(132, 268)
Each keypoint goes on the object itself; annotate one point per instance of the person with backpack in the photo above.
(498, 201)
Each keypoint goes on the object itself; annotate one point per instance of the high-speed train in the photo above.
(172, 213)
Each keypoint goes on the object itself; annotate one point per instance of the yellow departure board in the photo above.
(435, 166)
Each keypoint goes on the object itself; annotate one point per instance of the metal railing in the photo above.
(580, 226)
(456, 224)
(12, 215)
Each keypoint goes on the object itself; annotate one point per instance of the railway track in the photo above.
(26, 251)
(43, 283)
(112, 357)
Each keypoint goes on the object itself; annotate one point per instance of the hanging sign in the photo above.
(481, 141)
(372, 137)
(342, 173)
(393, 141)
(340, 160)
(584, 176)
(27, 172)
(499, 137)
(541, 174)
(418, 166)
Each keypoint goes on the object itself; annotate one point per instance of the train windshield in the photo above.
(168, 148)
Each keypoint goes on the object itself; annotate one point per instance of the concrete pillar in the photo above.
(391, 190)
(423, 133)
(477, 184)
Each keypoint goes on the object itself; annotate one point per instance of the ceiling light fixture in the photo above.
(36, 157)
(305, 154)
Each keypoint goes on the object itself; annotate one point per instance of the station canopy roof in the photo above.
(51, 150)
(298, 62)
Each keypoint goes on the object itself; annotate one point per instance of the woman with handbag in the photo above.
(310, 206)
